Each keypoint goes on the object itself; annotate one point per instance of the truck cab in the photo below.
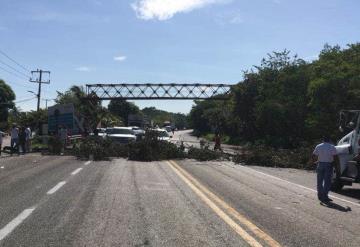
(348, 149)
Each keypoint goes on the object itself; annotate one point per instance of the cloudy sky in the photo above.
(148, 41)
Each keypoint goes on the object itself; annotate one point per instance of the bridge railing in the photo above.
(158, 91)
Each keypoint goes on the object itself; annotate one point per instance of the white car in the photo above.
(137, 130)
(122, 135)
(163, 134)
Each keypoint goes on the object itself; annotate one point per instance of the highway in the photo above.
(62, 201)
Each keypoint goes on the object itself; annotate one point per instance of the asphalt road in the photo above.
(61, 201)
(189, 140)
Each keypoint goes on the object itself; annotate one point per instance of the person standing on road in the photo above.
(2, 134)
(324, 155)
(22, 140)
(14, 138)
(217, 140)
(28, 139)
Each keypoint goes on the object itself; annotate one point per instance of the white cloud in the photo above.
(120, 58)
(83, 69)
(166, 9)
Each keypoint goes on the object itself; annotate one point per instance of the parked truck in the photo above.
(348, 149)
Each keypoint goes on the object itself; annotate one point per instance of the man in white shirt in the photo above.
(14, 138)
(324, 155)
(28, 139)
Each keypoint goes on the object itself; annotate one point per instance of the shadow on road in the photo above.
(350, 192)
(336, 206)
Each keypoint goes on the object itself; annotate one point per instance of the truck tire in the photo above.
(336, 183)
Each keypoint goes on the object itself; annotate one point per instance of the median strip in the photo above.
(15, 222)
(56, 188)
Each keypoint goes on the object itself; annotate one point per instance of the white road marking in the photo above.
(298, 185)
(76, 171)
(2, 167)
(15, 222)
(56, 187)
(87, 162)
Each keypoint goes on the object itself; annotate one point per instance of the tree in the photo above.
(7, 96)
(90, 110)
(122, 109)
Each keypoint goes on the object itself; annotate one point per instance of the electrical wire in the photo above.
(13, 68)
(21, 85)
(23, 67)
(12, 73)
(24, 100)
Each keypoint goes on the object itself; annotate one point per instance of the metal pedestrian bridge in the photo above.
(148, 91)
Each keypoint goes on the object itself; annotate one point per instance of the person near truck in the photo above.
(324, 155)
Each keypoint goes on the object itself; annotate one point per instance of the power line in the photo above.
(40, 81)
(24, 100)
(13, 68)
(10, 72)
(20, 85)
(23, 67)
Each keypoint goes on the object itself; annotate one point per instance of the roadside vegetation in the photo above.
(285, 105)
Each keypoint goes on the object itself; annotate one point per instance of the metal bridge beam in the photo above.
(157, 91)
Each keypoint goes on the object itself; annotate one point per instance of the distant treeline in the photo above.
(286, 101)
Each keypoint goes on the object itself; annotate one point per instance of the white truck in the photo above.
(348, 148)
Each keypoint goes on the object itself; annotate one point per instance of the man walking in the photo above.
(324, 155)
(28, 139)
(14, 138)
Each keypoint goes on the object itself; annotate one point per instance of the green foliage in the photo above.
(285, 100)
(122, 109)
(261, 155)
(7, 96)
(32, 118)
(151, 148)
(148, 149)
(204, 154)
(159, 117)
(55, 145)
(100, 149)
(90, 110)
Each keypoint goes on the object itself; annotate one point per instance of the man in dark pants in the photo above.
(324, 155)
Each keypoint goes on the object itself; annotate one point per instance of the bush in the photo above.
(148, 149)
(270, 157)
(55, 145)
(151, 148)
(204, 154)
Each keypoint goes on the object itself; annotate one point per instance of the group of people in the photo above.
(20, 139)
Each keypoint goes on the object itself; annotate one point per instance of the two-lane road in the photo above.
(61, 201)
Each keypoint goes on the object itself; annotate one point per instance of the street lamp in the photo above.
(34, 93)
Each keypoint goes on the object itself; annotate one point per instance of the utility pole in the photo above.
(38, 79)
(46, 102)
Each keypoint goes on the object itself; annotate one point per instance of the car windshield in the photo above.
(119, 132)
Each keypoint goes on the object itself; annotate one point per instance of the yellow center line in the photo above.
(230, 210)
(238, 229)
